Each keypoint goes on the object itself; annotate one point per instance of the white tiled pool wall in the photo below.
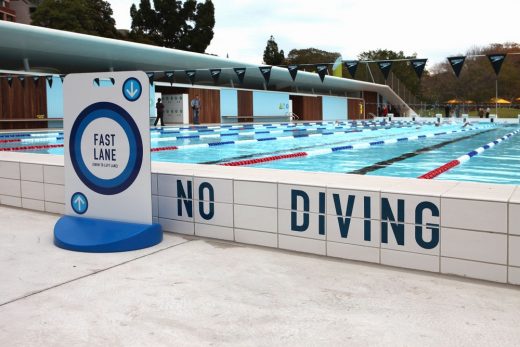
(393, 220)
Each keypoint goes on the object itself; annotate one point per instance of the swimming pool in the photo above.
(401, 148)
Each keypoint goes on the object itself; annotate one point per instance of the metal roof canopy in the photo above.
(32, 48)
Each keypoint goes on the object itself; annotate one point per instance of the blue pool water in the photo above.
(404, 158)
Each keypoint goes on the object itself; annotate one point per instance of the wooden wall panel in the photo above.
(23, 101)
(370, 102)
(355, 109)
(209, 104)
(245, 105)
(307, 108)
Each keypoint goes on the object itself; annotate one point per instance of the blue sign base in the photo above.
(103, 236)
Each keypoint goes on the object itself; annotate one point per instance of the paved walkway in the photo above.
(189, 291)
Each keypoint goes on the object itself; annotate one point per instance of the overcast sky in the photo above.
(432, 29)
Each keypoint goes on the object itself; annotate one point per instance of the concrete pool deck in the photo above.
(194, 291)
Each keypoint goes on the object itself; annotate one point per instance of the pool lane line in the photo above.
(264, 139)
(341, 148)
(464, 158)
(388, 162)
(25, 148)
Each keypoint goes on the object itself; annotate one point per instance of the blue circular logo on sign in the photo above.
(132, 89)
(79, 203)
(106, 186)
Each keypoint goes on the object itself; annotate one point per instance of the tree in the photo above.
(187, 26)
(311, 56)
(92, 17)
(272, 56)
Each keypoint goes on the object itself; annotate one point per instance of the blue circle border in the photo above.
(72, 202)
(140, 89)
(127, 177)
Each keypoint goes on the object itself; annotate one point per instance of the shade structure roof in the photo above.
(54, 51)
(499, 101)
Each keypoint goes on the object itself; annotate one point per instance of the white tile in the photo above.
(301, 244)
(410, 243)
(10, 169)
(173, 208)
(221, 190)
(167, 185)
(10, 187)
(215, 213)
(214, 232)
(11, 200)
(305, 198)
(474, 215)
(417, 209)
(53, 207)
(352, 252)
(176, 226)
(337, 201)
(410, 260)
(155, 206)
(355, 233)
(473, 245)
(473, 269)
(514, 250)
(259, 238)
(32, 190)
(514, 275)
(31, 204)
(256, 218)
(514, 219)
(305, 224)
(419, 187)
(31, 172)
(155, 189)
(54, 174)
(255, 193)
(54, 193)
(481, 191)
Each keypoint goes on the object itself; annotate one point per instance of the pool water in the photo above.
(329, 147)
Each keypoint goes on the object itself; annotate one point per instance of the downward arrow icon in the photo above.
(132, 91)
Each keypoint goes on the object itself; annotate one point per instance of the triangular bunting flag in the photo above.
(49, 80)
(241, 72)
(191, 75)
(293, 70)
(418, 66)
(456, 64)
(169, 75)
(36, 80)
(215, 74)
(96, 80)
(150, 77)
(10, 81)
(385, 66)
(321, 69)
(62, 77)
(496, 61)
(352, 66)
(266, 72)
(22, 80)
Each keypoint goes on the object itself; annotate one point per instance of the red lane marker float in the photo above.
(24, 148)
(169, 148)
(441, 169)
(11, 140)
(265, 160)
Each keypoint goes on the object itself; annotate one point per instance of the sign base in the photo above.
(103, 236)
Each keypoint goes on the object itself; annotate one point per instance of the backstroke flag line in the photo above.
(496, 61)
(241, 72)
(456, 64)
(215, 74)
(293, 70)
(266, 72)
(385, 67)
(337, 68)
(322, 71)
(352, 66)
(419, 65)
(191, 75)
(169, 75)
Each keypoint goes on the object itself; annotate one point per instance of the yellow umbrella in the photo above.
(517, 99)
(454, 101)
(499, 101)
(469, 102)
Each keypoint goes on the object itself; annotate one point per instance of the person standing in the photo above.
(488, 110)
(159, 106)
(195, 106)
(481, 112)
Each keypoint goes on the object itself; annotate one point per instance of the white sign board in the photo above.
(107, 146)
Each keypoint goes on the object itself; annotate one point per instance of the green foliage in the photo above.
(92, 17)
(311, 56)
(272, 56)
(477, 78)
(175, 24)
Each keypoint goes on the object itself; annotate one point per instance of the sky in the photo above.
(432, 29)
